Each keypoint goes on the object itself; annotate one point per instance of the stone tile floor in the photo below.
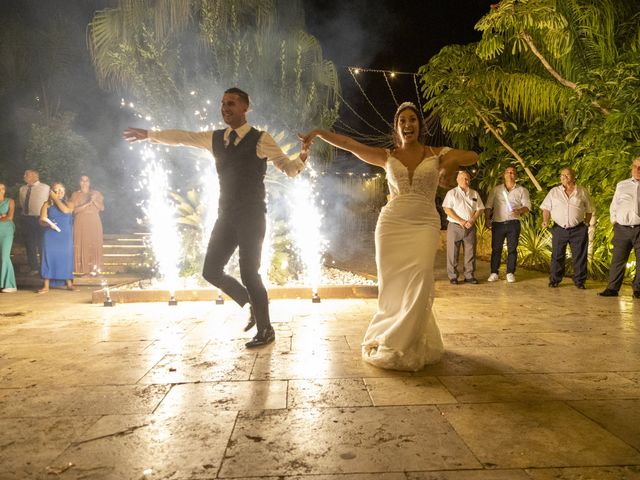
(536, 384)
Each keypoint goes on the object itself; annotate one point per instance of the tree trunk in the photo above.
(496, 134)
(556, 75)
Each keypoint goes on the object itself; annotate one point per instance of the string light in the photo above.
(430, 123)
(393, 73)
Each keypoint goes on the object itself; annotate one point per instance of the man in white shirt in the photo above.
(463, 206)
(505, 205)
(31, 197)
(240, 153)
(570, 207)
(625, 217)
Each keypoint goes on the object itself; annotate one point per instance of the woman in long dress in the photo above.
(57, 242)
(87, 228)
(7, 228)
(403, 334)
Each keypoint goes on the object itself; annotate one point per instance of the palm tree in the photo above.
(559, 78)
(162, 50)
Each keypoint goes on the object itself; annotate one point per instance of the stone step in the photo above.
(122, 253)
(111, 268)
(128, 237)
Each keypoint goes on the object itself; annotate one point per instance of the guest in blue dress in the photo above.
(56, 216)
(7, 275)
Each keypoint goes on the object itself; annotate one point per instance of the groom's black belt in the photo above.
(506, 222)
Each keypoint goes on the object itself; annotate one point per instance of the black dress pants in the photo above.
(499, 231)
(624, 240)
(578, 239)
(246, 232)
(32, 238)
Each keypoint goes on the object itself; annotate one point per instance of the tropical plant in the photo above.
(483, 237)
(174, 55)
(534, 247)
(57, 152)
(555, 83)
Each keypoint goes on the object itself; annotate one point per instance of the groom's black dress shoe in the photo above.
(262, 338)
(251, 322)
(607, 292)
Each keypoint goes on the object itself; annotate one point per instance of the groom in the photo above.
(241, 153)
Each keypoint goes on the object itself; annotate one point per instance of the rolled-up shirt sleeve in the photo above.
(182, 138)
(269, 149)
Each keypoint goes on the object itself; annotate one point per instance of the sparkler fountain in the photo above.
(305, 217)
(307, 230)
(159, 212)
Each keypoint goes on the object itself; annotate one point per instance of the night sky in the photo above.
(388, 35)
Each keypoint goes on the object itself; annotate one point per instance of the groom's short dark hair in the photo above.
(241, 93)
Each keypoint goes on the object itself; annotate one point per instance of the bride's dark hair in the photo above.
(407, 106)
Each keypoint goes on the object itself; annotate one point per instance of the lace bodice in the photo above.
(425, 176)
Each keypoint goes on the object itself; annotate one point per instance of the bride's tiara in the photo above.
(404, 105)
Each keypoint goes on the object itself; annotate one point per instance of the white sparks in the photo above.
(306, 219)
(159, 211)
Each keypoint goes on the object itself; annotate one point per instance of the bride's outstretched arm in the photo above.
(451, 162)
(462, 158)
(372, 155)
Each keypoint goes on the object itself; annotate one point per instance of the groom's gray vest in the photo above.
(241, 174)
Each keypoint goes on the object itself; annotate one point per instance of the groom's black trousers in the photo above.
(243, 230)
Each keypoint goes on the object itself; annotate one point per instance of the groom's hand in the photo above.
(132, 135)
(307, 140)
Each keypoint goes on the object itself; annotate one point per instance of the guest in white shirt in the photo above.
(31, 197)
(463, 206)
(241, 153)
(625, 217)
(505, 205)
(570, 207)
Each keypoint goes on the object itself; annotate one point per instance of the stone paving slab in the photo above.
(535, 384)
(544, 434)
(348, 440)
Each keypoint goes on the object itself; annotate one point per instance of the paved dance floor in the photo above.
(536, 384)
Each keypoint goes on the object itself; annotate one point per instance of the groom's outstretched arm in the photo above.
(170, 137)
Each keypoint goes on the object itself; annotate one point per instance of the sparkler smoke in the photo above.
(165, 238)
(209, 194)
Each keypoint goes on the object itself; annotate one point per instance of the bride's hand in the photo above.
(307, 139)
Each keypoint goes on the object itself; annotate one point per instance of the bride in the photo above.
(403, 334)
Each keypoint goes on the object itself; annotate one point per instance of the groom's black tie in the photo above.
(232, 139)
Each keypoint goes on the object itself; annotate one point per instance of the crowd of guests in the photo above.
(570, 208)
(62, 236)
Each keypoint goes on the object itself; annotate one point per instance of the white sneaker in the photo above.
(493, 277)
(511, 278)
(9, 290)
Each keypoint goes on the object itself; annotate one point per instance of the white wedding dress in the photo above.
(403, 334)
